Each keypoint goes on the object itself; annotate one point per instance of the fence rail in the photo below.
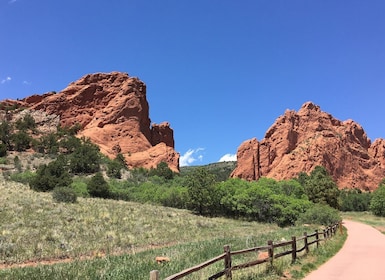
(308, 240)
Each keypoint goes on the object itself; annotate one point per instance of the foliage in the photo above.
(3, 150)
(221, 170)
(5, 133)
(263, 200)
(162, 170)
(354, 200)
(21, 141)
(51, 176)
(85, 158)
(120, 158)
(320, 214)
(200, 184)
(70, 144)
(69, 131)
(98, 187)
(25, 123)
(113, 169)
(23, 177)
(47, 144)
(377, 204)
(115, 166)
(17, 163)
(64, 194)
(320, 187)
(45, 230)
(79, 185)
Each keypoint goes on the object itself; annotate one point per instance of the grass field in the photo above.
(366, 218)
(108, 239)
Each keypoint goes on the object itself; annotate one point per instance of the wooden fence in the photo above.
(308, 239)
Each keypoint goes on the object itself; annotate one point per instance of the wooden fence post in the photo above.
(154, 275)
(317, 237)
(271, 251)
(228, 272)
(306, 242)
(293, 249)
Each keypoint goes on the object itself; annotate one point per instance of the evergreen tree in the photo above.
(98, 187)
(85, 158)
(51, 176)
(201, 190)
(320, 187)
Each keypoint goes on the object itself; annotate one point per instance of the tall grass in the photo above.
(109, 239)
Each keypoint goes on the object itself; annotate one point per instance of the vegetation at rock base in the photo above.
(377, 203)
(320, 187)
(118, 239)
(77, 175)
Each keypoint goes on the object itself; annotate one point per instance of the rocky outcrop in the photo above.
(299, 141)
(113, 112)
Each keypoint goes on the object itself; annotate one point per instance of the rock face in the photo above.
(299, 141)
(113, 112)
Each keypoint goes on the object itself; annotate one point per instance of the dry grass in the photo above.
(366, 218)
(34, 227)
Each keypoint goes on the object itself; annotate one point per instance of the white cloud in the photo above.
(7, 79)
(26, 83)
(12, 1)
(228, 157)
(191, 156)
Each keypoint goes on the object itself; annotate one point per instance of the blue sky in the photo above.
(219, 71)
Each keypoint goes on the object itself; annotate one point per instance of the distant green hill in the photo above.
(221, 170)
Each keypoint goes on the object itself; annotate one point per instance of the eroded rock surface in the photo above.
(113, 112)
(299, 141)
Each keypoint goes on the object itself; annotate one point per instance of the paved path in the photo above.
(361, 258)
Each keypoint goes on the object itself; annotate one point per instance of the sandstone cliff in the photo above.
(113, 112)
(299, 141)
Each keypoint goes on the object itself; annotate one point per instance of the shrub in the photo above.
(51, 176)
(162, 170)
(320, 214)
(3, 150)
(320, 187)
(98, 187)
(113, 169)
(85, 158)
(27, 122)
(23, 177)
(354, 200)
(377, 204)
(21, 141)
(64, 194)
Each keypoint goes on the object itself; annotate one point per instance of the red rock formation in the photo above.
(299, 141)
(113, 111)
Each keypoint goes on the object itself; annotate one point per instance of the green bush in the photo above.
(377, 204)
(27, 122)
(21, 141)
(321, 214)
(320, 187)
(98, 187)
(51, 176)
(354, 200)
(85, 158)
(79, 185)
(64, 194)
(114, 169)
(23, 177)
(3, 150)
